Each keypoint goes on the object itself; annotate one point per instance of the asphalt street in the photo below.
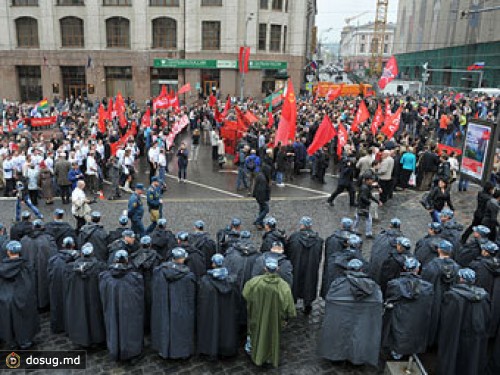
(211, 195)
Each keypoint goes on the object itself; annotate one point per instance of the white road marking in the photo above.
(308, 189)
(209, 187)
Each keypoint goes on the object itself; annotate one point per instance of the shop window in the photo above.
(119, 79)
(30, 83)
(210, 35)
(163, 77)
(211, 80)
(165, 33)
(27, 32)
(268, 82)
(72, 34)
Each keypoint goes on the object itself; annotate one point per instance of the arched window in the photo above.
(165, 33)
(72, 35)
(117, 32)
(27, 32)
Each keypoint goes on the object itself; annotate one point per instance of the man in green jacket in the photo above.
(269, 305)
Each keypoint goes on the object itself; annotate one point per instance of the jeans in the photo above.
(263, 211)
(463, 184)
(182, 173)
(449, 141)
(435, 216)
(65, 193)
(368, 223)
(30, 205)
(242, 178)
(162, 173)
(194, 151)
(279, 177)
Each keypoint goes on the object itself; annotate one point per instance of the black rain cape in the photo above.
(18, 310)
(57, 268)
(60, 230)
(173, 310)
(382, 244)
(163, 241)
(84, 314)
(468, 252)
(426, 248)
(122, 296)
(407, 314)
(352, 325)
(463, 334)
(272, 236)
(203, 242)
(218, 306)
(304, 249)
(38, 247)
(98, 237)
(285, 269)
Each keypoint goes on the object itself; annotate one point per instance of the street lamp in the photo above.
(242, 79)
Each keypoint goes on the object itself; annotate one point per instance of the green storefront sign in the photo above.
(217, 64)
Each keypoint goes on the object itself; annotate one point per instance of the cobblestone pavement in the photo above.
(300, 337)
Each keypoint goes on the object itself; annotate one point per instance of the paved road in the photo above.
(186, 203)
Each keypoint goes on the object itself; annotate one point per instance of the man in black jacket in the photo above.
(347, 167)
(365, 198)
(262, 194)
(427, 167)
(482, 199)
(490, 215)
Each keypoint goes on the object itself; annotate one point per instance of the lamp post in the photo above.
(242, 78)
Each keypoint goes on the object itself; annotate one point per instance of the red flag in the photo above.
(250, 117)
(325, 133)
(241, 119)
(114, 147)
(270, 119)
(334, 94)
(102, 117)
(361, 116)
(392, 126)
(120, 109)
(184, 89)
(146, 119)
(441, 147)
(342, 138)
(289, 114)
(226, 108)
(243, 59)
(377, 120)
(110, 109)
(212, 100)
(390, 72)
(388, 112)
(163, 92)
(217, 115)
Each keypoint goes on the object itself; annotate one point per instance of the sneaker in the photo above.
(330, 203)
(282, 185)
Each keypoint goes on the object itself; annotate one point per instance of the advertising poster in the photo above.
(475, 150)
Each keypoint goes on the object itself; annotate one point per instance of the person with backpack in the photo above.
(442, 273)
(239, 160)
(252, 165)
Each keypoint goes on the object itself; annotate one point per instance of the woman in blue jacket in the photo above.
(408, 166)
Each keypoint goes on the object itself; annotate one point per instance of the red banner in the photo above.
(43, 121)
(448, 149)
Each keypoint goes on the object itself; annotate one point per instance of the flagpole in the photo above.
(242, 68)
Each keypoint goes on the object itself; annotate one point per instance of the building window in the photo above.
(285, 31)
(72, 35)
(286, 6)
(277, 4)
(74, 81)
(165, 33)
(210, 35)
(386, 48)
(268, 82)
(275, 43)
(363, 37)
(264, 4)
(30, 83)
(362, 48)
(27, 32)
(118, 32)
(117, 2)
(262, 36)
(163, 77)
(19, 3)
(70, 2)
(387, 37)
(119, 79)
(164, 3)
(211, 3)
(210, 79)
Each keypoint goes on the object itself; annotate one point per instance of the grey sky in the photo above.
(332, 14)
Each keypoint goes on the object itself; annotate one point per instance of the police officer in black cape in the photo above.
(442, 273)
(122, 296)
(21, 228)
(128, 243)
(472, 249)
(116, 234)
(394, 264)
(381, 247)
(162, 239)
(196, 258)
(407, 313)
(173, 309)
(271, 234)
(426, 247)
(463, 332)
(452, 230)
(144, 260)
(227, 236)
(285, 269)
(84, 315)
(218, 306)
(95, 233)
(336, 242)
(38, 247)
(60, 229)
(201, 240)
(354, 307)
(18, 308)
(57, 269)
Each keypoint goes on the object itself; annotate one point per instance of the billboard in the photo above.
(476, 150)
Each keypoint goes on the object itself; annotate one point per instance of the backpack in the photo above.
(251, 164)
